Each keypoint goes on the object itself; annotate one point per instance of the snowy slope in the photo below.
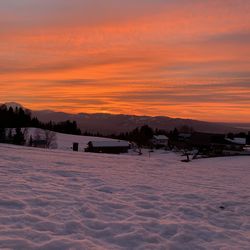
(65, 141)
(68, 200)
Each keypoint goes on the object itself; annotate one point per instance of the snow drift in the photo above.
(69, 200)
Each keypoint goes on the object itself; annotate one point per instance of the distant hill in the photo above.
(109, 123)
(242, 126)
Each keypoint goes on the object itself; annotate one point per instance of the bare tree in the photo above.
(46, 138)
(50, 139)
(25, 134)
(187, 154)
(38, 135)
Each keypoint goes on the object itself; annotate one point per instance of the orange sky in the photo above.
(179, 58)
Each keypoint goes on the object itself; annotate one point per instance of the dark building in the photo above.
(213, 143)
(108, 147)
(75, 146)
(160, 141)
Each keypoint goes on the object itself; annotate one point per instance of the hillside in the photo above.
(109, 124)
(67, 200)
(65, 141)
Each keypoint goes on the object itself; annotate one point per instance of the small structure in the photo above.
(237, 144)
(75, 146)
(108, 147)
(159, 141)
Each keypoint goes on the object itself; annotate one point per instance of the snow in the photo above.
(65, 142)
(240, 141)
(14, 105)
(160, 137)
(53, 199)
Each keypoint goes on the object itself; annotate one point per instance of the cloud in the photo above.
(156, 57)
(28, 13)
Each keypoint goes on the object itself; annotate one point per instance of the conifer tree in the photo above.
(18, 138)
(2, 134)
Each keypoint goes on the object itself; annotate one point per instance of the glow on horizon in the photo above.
(188, 59)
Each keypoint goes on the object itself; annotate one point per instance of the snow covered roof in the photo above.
(240, 141)
(109, 143)
(160, 137)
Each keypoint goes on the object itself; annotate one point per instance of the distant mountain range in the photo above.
(109, 123)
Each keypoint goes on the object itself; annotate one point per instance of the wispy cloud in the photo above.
(160, 57)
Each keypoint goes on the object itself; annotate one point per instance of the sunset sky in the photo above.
(179, 58)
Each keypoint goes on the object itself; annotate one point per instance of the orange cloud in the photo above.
(178, 58)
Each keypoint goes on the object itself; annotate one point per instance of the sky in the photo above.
(177, 58)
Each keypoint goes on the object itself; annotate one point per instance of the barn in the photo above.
(108, 147)
(159, 141)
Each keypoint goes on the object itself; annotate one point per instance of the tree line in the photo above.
(18, 118)
(142, 136)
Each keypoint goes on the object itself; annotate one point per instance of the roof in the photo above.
(107, 144)
(240, 141)
(160, 137)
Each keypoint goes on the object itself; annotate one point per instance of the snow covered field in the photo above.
(65, 141)
(68, 200)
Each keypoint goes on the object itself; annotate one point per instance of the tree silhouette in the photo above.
(18, 138)
(2, 134)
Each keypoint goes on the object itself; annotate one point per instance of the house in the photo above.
(207, 143)
(108, 147)
(215, 144)
(160, 141)
(237, 143)
(238, 140)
